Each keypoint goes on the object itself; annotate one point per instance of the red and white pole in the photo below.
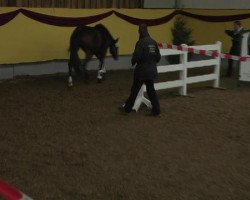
(8, 192)
(203, 52)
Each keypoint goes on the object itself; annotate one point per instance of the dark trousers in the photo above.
(233, 51)
(230, 67)
(151, 94)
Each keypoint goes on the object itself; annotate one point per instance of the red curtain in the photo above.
(74, 3)
(77, 21)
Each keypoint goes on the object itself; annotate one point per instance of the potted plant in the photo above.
(181, 35)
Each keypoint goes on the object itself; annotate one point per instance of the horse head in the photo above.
(114, 49)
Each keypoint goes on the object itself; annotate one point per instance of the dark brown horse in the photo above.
(93, 41)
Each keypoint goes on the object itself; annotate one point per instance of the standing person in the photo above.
(146, 55)
(236, 36)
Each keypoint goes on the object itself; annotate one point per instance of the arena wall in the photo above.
(24, 40)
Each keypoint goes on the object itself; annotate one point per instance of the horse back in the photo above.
(93, 39)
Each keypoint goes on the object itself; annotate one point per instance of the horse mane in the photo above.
(104, 31)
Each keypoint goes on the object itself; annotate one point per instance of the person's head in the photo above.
(143, 31)
(237, 25)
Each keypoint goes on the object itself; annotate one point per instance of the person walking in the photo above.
(146, 55)
(236, 36)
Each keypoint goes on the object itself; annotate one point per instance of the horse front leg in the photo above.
(101, 71)
(84, 66)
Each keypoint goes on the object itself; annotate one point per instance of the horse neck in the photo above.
(109, 39)
(105, 34)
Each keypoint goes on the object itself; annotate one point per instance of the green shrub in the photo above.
(181, 34)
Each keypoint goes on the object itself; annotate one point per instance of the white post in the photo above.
(146, 102)
(140, 99)
(217, 67)
(244, 73)
(245, 44)
(183, 73)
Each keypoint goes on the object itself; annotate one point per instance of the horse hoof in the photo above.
(99, 80)
(70, 82)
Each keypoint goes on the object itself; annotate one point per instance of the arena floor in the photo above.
(66, 144)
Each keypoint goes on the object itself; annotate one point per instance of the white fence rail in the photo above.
(182, 68)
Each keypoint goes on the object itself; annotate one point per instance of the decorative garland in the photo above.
(77, 21)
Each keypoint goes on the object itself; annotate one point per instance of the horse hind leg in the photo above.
(74, 63)
(70, 80)
(84, 71)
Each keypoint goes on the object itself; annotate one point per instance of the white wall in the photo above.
(206, 4)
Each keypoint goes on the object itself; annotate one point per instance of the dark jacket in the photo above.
(146, 56)
(236, 41)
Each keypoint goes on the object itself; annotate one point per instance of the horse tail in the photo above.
(74, 60)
